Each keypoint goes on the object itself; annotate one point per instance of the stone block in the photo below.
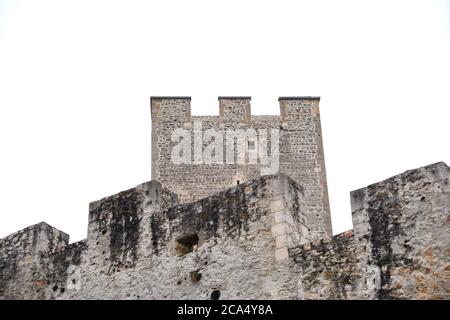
(281, 241)
(277, 205)
(279, 229)
(281, 253)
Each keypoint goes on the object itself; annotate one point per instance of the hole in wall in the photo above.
(215, 295)
(237, 179)
(195, 276)
(186, 244)
(55, 288)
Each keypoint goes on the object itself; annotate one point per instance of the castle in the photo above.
(219, 221)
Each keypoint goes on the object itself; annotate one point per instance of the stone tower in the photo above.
(297, 131)
(267, 234)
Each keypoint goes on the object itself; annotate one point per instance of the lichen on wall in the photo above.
(142, 244)
(251, 241)
(398, 249)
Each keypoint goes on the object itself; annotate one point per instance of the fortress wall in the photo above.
(334, 268)
(119, 240)
(248, 242)
(119, 225)
(142, 245)
(300, 149)
(22, 260)
(406, 219)
(224, 242)
(398, 249)
(37, 262)
(61, 269)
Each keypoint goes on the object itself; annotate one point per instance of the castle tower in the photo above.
(294, 136)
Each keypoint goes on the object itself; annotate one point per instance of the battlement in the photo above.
(22, 254)
(170, 98)
(293, 141)
(176, 236)
(299, 98)
(366, 202)
(40, 238)
(144, 228)
(398, 248)
(236, 107)
(143, 244)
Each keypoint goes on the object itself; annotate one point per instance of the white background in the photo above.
(76, 77)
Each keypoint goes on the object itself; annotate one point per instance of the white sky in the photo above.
(76, 77)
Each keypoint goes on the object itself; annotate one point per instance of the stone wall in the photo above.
(398, 249)
(250, 241)
(142, 245)
(334, 268)
(300, 149)
(406, 220)
(23, 260)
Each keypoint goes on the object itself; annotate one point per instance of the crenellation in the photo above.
(300, 152)
(406, 219)
(171, 110)
(33, 241)
(119, 225)
(236, 109)
(143, 244)
(398, 249)
(204, 231)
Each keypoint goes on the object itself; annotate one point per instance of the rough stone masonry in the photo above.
(225, 232)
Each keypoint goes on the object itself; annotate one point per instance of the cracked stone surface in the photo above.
(250, 241)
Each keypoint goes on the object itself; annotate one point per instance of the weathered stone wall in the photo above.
(406, 220)
(23, 263)
(141, 245)
(250, 241)
(334, 268)
(300, 149)
(399, 247)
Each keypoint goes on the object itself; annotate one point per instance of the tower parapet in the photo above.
(268, 233)
(291, 144)
(235, 108)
